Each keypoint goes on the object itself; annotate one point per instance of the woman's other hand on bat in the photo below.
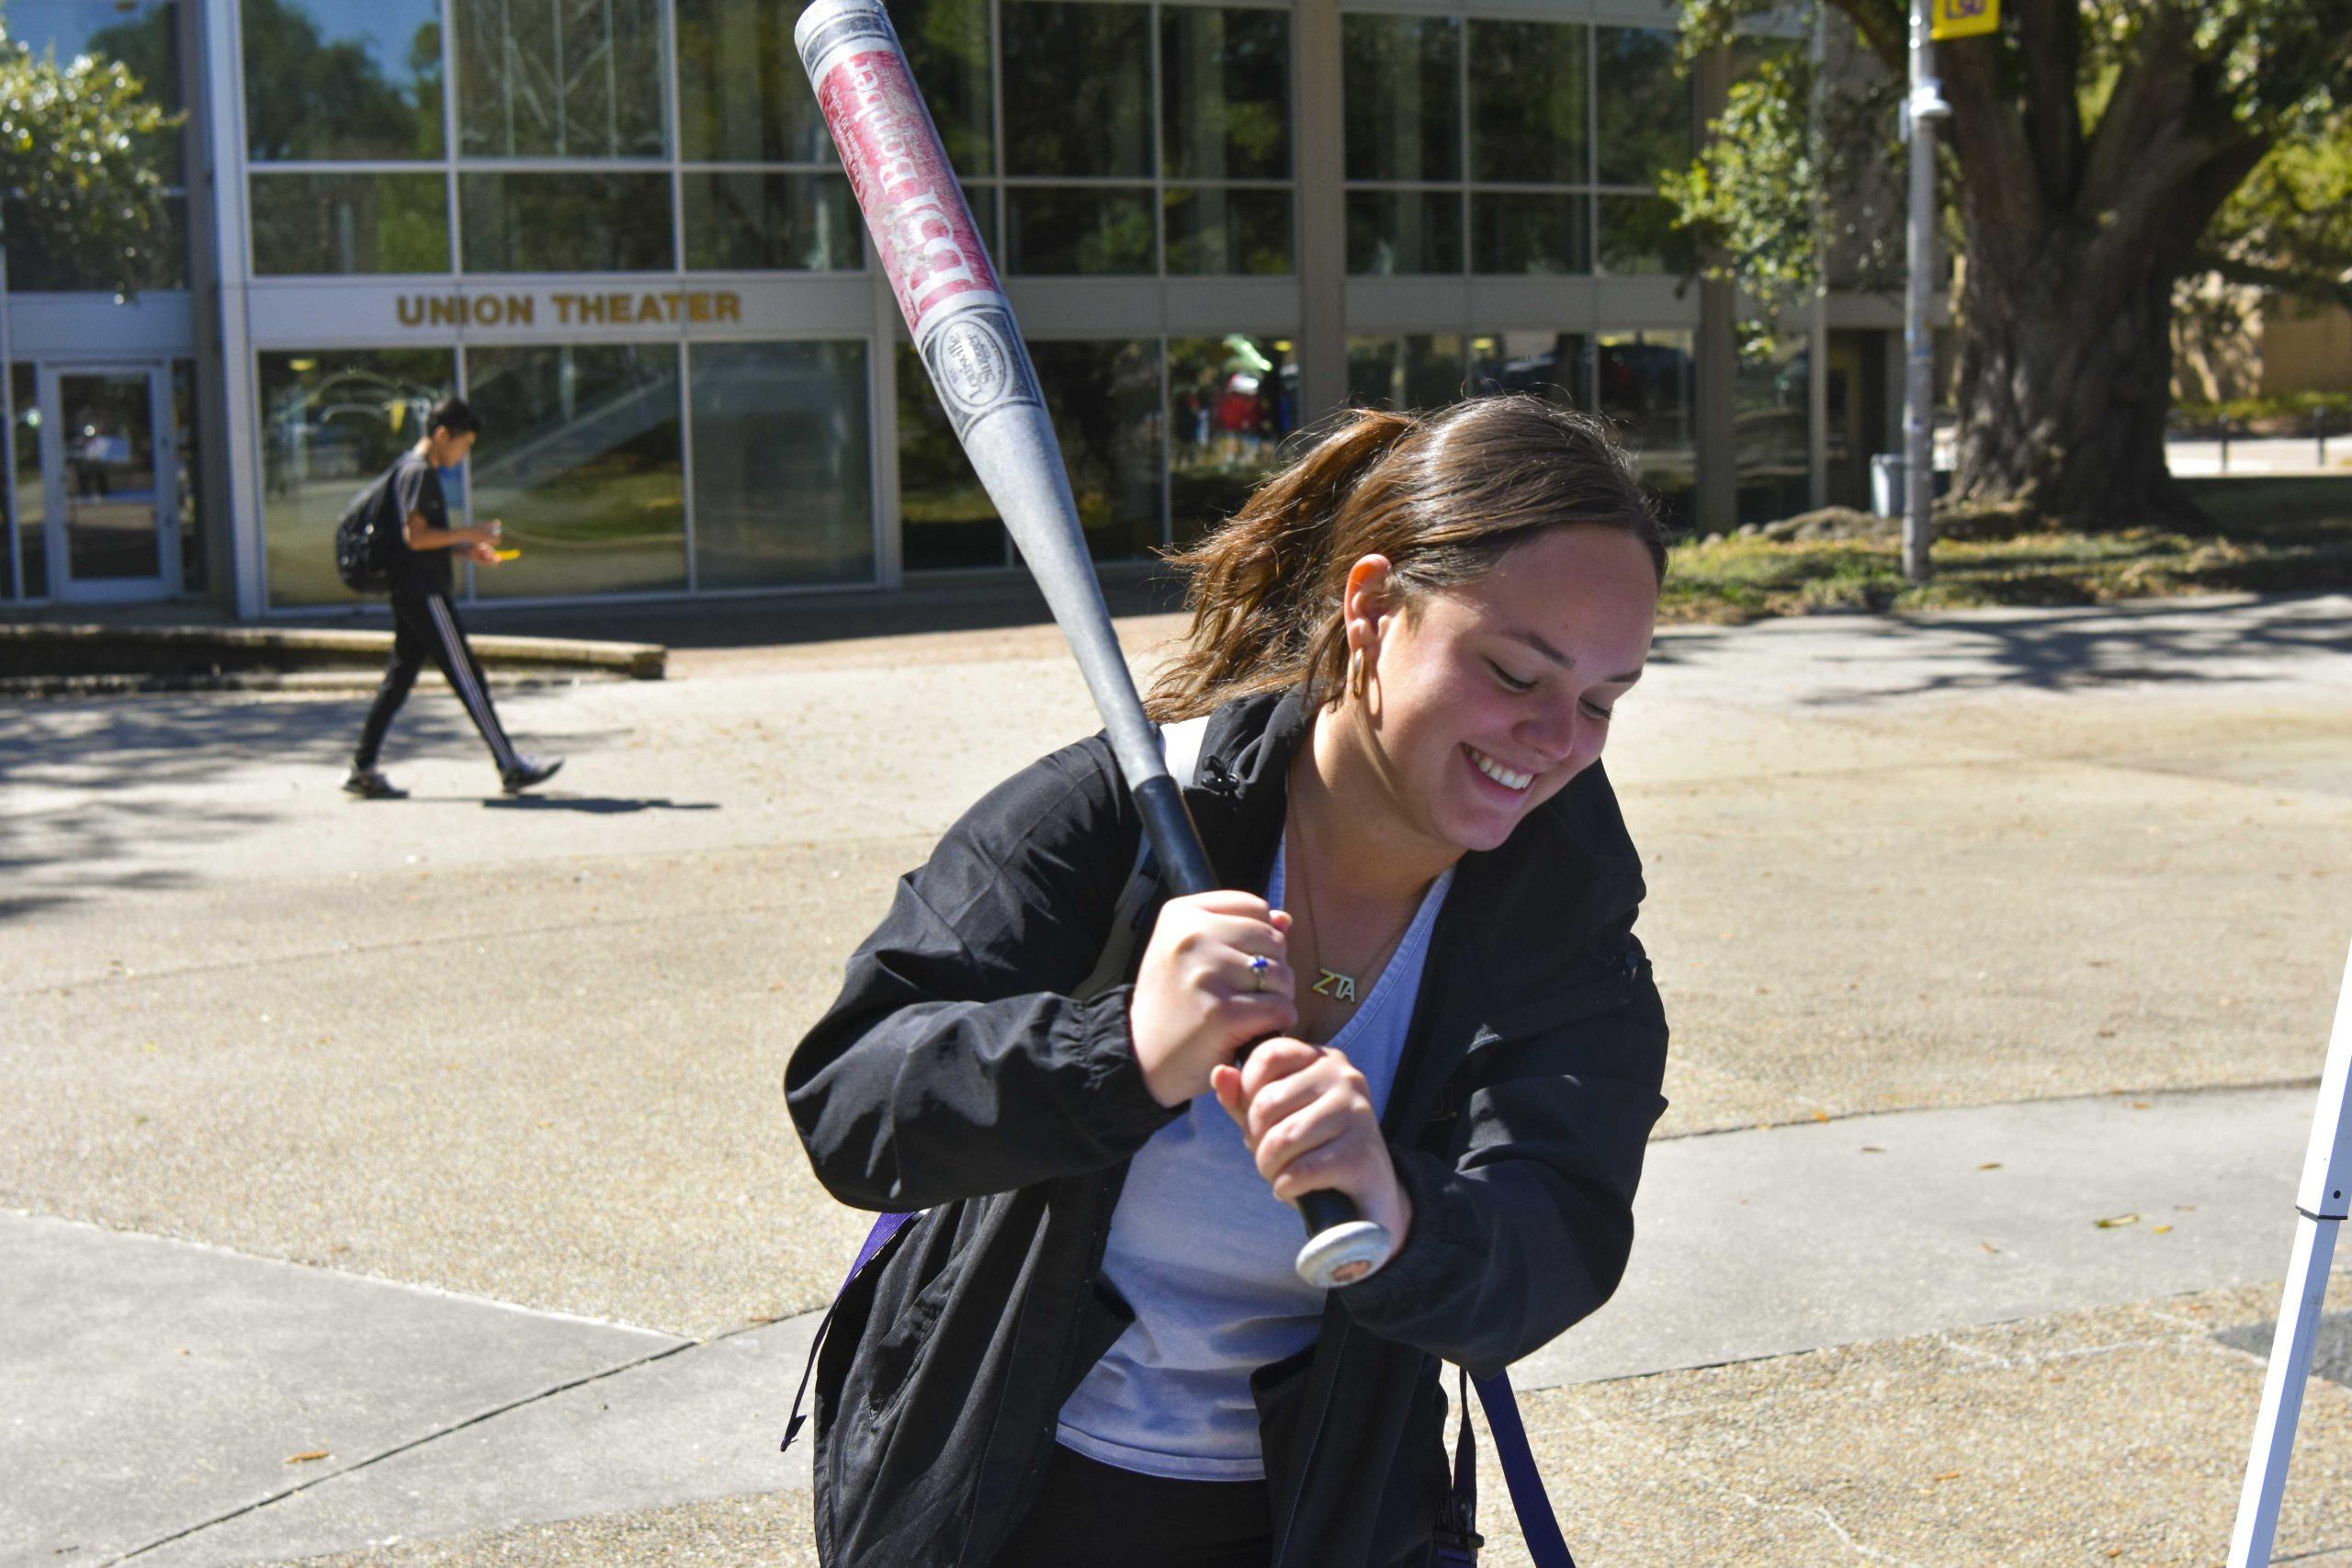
(1215, 975)
(1307, 1116)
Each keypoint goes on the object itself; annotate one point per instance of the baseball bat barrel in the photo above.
(965, 335)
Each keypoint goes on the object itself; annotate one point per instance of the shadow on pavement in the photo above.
(2149, 641)
(596, 805)
(77, 779)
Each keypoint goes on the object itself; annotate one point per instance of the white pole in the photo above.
(1921, 109)
(2320, 1207)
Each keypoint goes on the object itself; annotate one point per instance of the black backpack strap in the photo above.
(1458, 1540)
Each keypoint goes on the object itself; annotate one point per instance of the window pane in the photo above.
(350, 223)
(330, 423)
(1230, 402)
(53, 247)
(47, 253)
(1226, 93)
(1105, 398)
(1644, 388)
(1557, 367)
(780, 483)
(342, 78)
(945, 520)
(742, 220)
(1771, 421)
(566, 222)
(1403, 92)
(559, 78)
(1404, 231)
(142, 35)
(1088, 229)
(580, 457)
(1527, 103)
(1643, 107)
(1076, 89)
(1515, 233)
(947, 49)
(1420, 372)
(1224, 230)
(742, 96)
(28, 497)
(1637, 234)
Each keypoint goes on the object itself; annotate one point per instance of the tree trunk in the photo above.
(2064, 382)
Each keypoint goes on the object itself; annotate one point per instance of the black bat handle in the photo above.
(1343, 1246)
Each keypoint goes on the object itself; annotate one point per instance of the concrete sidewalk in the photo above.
(166, 1418)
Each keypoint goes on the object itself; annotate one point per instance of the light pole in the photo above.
(1921, 108)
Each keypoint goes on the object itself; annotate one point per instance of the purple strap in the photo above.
(1546, 1545)
(884, 1227)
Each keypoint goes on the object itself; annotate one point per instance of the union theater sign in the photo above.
(571, 307)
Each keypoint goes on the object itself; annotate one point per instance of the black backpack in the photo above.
(364, 538)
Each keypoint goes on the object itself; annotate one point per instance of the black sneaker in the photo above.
(370, 784)
(527, 771)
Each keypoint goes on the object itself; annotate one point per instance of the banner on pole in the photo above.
(1964, 18)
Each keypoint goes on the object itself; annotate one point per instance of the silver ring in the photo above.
(1259, 965)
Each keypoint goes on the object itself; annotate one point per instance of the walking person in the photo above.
(1091, 1349)
(424, 626)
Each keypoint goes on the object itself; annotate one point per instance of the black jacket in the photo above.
(954, 1075)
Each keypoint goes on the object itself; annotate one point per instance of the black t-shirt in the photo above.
(414, 487)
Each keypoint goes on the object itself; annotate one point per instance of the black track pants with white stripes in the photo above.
(423, 626)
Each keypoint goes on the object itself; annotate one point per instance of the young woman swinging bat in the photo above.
(1090, 1348)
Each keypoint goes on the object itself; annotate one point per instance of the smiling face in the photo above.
(1486, 699)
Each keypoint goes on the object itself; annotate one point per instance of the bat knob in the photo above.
(1344, 1253)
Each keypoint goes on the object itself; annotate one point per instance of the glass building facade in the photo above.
(620, 231)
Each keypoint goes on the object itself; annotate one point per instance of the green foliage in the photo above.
(2288, 226)
(1793, 192)
(84, 153)
(1732, 577)
(1754, 196)
(1775, 185)
(2283, 410)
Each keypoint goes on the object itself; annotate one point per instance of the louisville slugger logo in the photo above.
(975, 360)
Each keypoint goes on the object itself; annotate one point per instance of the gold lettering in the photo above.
(670, 303)
(649, 308)
(411, 310)
(699, 306)
(450, 313)
(731, 307)
(563, 303)
(592, 307)
(518, 310)
(617, 304)
(486, 309)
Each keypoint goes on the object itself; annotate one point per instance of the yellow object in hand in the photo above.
(506, 554)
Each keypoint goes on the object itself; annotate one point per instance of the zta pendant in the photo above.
(1338, 987)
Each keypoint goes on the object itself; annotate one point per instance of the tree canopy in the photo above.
(2099, 153)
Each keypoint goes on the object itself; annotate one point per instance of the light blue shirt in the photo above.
(1203, 1250)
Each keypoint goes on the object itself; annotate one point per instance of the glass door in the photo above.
(111, 477)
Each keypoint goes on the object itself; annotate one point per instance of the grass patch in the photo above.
(1729, 577)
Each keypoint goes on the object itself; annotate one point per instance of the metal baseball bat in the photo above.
(964, 332)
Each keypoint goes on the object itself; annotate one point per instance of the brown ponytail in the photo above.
(1444, 496)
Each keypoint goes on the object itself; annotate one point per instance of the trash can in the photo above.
(1886, 484)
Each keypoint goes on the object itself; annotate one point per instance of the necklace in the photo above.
(1330, 982)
